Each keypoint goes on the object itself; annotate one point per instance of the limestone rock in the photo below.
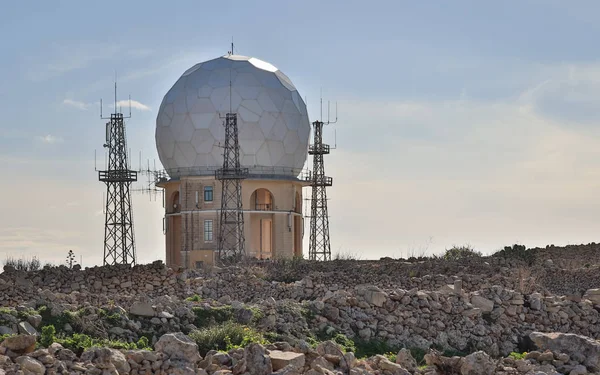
(406, 360)
(579, 370)
(19, 342)
(392, 368)
(329, 347)
(281, 359)
(582, 349)
(178, 346)
(375, 297)
(27, 329)
(482, 303)
(593, 295)
(104, 358)
(478, 363)
(257, 362)
(31, 366)
(141, 309)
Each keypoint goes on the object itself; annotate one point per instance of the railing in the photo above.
(317, 180)
(263, 207)
(255, 171)
(322, 150)
(117, 176)
(240, 173)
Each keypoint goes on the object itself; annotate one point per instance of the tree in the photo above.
(71, 259)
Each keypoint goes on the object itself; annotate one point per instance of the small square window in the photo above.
(208, 193)
(208, 230)
(199, 264)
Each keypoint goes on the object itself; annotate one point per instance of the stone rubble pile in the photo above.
(488, 307)
(175, 353)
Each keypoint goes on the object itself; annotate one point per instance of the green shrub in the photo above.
(143, 343)
(347, 344)
(48, 336)
(517, 252)
(391, 356)
(114, 318)
(214, 315)
(373, 347)
(461, 252)
(2, 337)
(79, 342)
(194, 298)
(418, 354)
(22, 264)
(57, 321)
(516, 356)
(226, 336)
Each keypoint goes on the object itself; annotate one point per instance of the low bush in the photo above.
(213, 315)
(79, 342)
(194, 298)
(226, 336)
(461, 252)
(517, 252)
(22, 264)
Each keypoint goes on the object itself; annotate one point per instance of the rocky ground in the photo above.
(520, 311)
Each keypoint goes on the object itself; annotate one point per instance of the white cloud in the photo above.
(50, 139)
(77, 104)
(123, 104)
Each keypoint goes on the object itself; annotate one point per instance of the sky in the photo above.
(460, 123)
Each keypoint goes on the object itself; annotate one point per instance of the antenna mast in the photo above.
(119, 240)
(319, 242)
(231, 240)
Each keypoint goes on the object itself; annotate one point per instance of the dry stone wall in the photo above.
(96, 285)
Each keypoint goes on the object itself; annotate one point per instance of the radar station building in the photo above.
(274, 133)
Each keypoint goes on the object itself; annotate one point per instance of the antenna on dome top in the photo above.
(231, 52)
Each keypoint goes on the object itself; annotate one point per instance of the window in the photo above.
(208, 193)
(208, 230)
(199, 264)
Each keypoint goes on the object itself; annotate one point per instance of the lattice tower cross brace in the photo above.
(119, 239)
(231, 239)
(319, 245)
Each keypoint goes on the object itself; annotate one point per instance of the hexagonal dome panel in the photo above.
(272, 118)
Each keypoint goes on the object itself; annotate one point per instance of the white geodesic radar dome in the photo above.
(272, 119)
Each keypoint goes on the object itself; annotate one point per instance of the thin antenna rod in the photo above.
(321, 104)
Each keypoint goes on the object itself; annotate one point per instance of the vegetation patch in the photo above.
(194, 298)
(79, 342)
(214, 315)
(516, 356)
(58, 320)
(461, 252)
(226, 336)
(517, 252)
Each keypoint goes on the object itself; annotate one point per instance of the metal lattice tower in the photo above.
(119, 240)
(319, 245)
(231, 240)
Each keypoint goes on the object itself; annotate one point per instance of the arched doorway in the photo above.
(261, 224)
(262, 200)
